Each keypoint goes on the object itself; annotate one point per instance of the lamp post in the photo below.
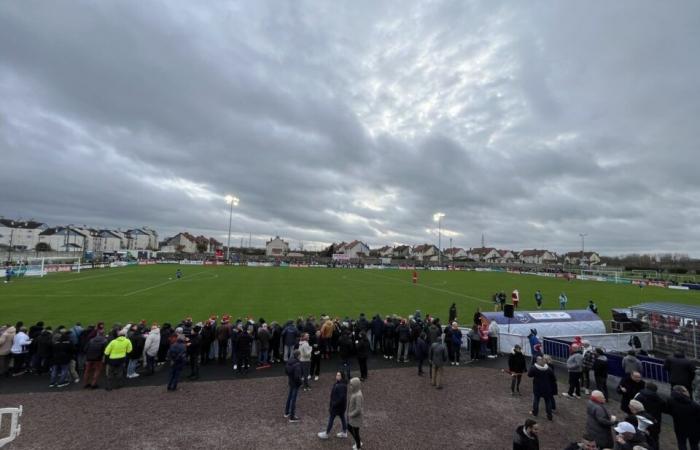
(233, 201)
(437, 217)
(583, 246)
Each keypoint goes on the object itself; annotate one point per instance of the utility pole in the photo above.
(483, 242)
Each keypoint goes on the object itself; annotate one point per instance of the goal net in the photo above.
(39, 267)
(600, 274)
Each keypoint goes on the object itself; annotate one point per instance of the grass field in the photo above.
(148, 292)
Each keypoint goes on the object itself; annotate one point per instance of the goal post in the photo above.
(40, 267)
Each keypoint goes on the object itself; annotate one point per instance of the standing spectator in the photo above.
(628, 388)
(652, 402)
(294, 381)
(244, 345)
(207, 339)
(525, 436)
(647, 425)
(42, 357)
(290, 335)
(447, 339)
(453, 313)
(493, 338)
(535, 344)
(542, 379)
(177, 355)
(421, 352)
(438, 359)
(483, 341)
(355, 411)
(315, 342)
(586, 366)
(563, 300)
(377, 330)
(150, 349)
(600, 371)
(681, 371)
(339, 401)
(388, 338)
(164, 346)
(20, 351)
(346, 349)
(136, 353)
(517, 367)
(628, 438)
(194, 349)
(538, 299)
(94, 356)
(116, 352)
(61, 354)
(696, 385)
(223, 336)
(686, 417)
(7, 337)
(474, 343)
(305, 351)
(263, 346)
(630, 363)
(403, 333)
(552, 381)
(574, 366)
(599, 421)
(515, 297)
(276, 342)
(456, 337)
(362, 349)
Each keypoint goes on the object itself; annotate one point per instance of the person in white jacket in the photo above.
(19, 350)
(305, 351)
(151, 347)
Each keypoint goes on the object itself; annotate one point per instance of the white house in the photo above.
(180, 243)
(107, 241)
(505, 256)
(20, 235)
(385, 252)
(64, 239)
(276, 247)
(426, 252)
(538, 257)
(355, 249)
(402, 251)
(489, 254)
(142, 239)
(455, 253)
(582, 258)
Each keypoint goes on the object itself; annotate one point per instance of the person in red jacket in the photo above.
(415, 276)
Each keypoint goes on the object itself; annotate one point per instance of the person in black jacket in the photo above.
(94, 360)
(194, 348)
(517, 367)
(600, 371)
(165, 332)
(453, 313)
(294, 381)
(652, 401)
(403, 332)
(388, 338)
(421, 351)
(681, 371)
(315, 343)
(525, 436)
(339, 398)
(137, 344)
(346, 348)
(629, 387)
(62, 352)
(207, 339)
(43, 351)
(244, 346)
(377, 333)
(362, 349)
(686, 417)
(542, 380)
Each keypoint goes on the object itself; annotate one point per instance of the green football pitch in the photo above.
(152, 293)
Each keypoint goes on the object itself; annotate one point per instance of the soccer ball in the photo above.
(170, 278)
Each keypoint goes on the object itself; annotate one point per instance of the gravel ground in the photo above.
(473, 411)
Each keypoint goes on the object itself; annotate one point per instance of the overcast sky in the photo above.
(530, 122)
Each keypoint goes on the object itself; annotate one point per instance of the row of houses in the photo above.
(429, 252)
(33, 235)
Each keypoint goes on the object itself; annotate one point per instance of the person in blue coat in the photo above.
(377, 330)
(339, 400)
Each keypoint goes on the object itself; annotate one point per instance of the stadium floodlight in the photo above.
(233, 201)
(437, 217)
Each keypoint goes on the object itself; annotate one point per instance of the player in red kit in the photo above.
(415, 276)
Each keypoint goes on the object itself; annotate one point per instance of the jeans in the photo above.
(131, 368)
(562, 306)
(436, 376)
(59, 373)
(151, 363)
(456, 353)
(174, 376)
(263, 356)
(483, 349)
(315, 369)
(291, 406)
(547, 404)
(420, 365)
(575, 383)
(515, 382)
(331, 419)
(363, 367)
(403, 351)
(93, 370)
(223, 350)
(493, 343)
(305, 370)
(115, 373)
(288, 350)
(243, 361)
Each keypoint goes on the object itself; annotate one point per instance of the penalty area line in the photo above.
(446, 291)
(155, 286)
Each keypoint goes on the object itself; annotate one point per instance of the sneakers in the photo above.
(235, 367)
(565, 394)
(286, 416)
(577, 396)
(322, 435)
(52, 385)
(77, 380)
(457, 363)
(586, 391)
(316, 378)
(64, 384)
(294, 419)
(342, 434)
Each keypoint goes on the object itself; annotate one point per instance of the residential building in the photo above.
(180, 243)
(385, 252)
(64, 239)
(142, 239)
(355, 249)
(107, 241)
(276, 247)
(483, 254)
(582, 258)
(506, 256)
(402, 251)
(538, 257)
(426, 252)
(20, 234)
(455, 254)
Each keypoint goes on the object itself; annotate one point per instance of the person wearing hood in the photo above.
(517, 367)
(294, 382)
(525, 436)
(177, 355)
(686, 417)
(574, 367)
(696, 385)
(628, 438)
(290, 337)
(116, 352)
(263, 341)
(600, 371)
(542, 380)
(151, 347)
(681, 371)
(355, 411)
(94, 356)
(165, 332)
(7, 337)
(403, 334)
(339, 400)
(20, 351)
(535, 344)
(599, 421)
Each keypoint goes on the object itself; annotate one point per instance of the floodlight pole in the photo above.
(228, 241)
(439, 240)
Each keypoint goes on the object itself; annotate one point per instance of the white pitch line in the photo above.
(433, 288)
(157, 285)
(91, 277)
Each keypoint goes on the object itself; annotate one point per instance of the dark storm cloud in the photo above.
(529, 123)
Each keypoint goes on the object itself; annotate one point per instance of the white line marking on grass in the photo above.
(159, 285)
(91, 277)
(432, 287)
